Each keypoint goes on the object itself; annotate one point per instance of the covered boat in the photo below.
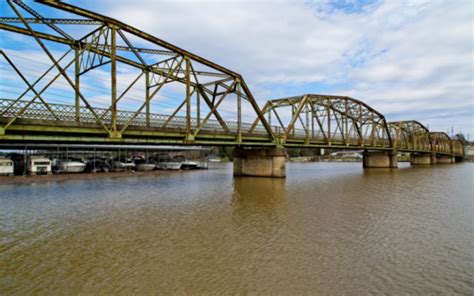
(39, 165)
(68, 166)
(141, 165)
(6, 167)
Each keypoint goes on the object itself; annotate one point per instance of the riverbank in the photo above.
(20, 180)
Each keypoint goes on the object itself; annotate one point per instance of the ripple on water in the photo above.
(327, 229)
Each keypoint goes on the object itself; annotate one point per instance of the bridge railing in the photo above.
(337, 139)
(67, 113)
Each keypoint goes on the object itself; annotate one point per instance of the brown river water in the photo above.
(327, 229)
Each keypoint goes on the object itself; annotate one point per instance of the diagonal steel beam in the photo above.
(127, 124)
(213, 110)
(39, 16)
(36, 82)
(28, 84)
(60, 69)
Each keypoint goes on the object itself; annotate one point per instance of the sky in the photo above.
(408, 59)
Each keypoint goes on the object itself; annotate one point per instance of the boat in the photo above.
(185, 164)
(118, 165)
(141, 165)
(39, 165)
(97, 165)
(179, 162)
(6, 167)
(164, 162)
(68, 166)
(202, 165)
(144, 167)
(214, 159)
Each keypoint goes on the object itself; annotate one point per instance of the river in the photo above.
(327, 229)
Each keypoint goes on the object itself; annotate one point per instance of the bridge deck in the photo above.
(37, 124)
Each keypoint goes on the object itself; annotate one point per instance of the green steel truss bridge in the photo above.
(214, 104)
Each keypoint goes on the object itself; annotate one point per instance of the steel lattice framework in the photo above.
(410, 136)
(205, 82)
(328, 121)
(441, 143)
(198, 116)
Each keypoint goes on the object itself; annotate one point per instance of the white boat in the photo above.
(214, 159)
(144, 167)
(39, 165)
(121, 166)
(203, 165)
(68, 166)
(141, 165)
(169, 165)
(6, 167)
(179, 162)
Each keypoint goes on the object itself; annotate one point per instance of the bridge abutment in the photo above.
(260, 162)
(380, 159)
(444, 159)
(422, 159)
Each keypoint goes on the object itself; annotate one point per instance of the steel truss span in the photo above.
(215, 105)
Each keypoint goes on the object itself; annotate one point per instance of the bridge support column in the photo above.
(445, 159)
(260, 162)
(422, 159)
(380, 159)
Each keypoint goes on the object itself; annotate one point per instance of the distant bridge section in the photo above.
(327, 121)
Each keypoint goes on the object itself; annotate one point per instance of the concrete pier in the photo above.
(422, 159)
(380, 159)
(443, 159)
(260, 162)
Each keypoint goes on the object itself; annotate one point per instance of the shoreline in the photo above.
(30, 179)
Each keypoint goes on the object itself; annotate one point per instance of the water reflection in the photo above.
(267, 194)
(258, 198)
(328, 229)
(259, 189)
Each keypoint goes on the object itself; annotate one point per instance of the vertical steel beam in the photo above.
(307, 124)
(77, 70)
(359, 128)
(147, 97)
(198, 109)
(239, 113)
(329, 122)
(188, 99)
(293, 119)
(346, 121)
(113, 86)
(372, 134)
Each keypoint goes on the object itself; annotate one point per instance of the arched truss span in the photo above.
(327, 121)
(96, 41)
(440, 143)
(410, 136)
(458, 148)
